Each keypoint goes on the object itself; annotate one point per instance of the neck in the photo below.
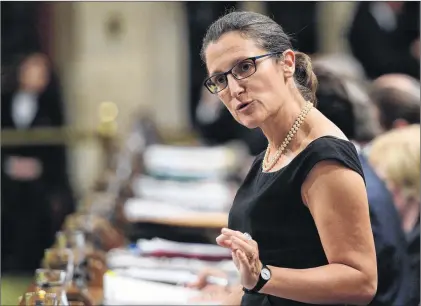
(276, 127)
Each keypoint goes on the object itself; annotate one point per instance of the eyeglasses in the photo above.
(241, 70)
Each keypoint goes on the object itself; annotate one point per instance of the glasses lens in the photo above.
(216, 83)
(244, 69)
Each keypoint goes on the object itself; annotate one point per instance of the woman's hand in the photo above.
(245, 253)
(23, 168)
(203, 277)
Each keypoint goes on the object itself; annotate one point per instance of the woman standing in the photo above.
(299, 228)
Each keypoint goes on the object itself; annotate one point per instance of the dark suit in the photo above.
(200, 15)
(381, 51)
(393, 266)
(413, 239)
(32, 211)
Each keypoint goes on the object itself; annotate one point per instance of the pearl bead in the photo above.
(266, 164)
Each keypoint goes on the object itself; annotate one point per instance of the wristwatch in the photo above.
(264, 277)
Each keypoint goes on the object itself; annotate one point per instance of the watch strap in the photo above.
(260, 283)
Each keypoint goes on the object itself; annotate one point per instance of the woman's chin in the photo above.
(250, 123)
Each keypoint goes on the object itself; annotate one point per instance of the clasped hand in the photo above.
(245, 254)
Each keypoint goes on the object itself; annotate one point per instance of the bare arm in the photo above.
(337, 200)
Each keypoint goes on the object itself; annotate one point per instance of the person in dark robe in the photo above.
(200, 15)
(36, 193)
(384, 39)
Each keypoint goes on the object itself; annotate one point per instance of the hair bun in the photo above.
(305, 77)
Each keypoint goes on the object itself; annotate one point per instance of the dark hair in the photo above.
(268, 35)
(394, 104)
(334, 101)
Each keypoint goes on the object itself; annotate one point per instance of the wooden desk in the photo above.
(201, 220)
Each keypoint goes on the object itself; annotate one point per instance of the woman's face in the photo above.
(34, 74)
(254, 99)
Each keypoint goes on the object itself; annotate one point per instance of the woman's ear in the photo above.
(289, 63)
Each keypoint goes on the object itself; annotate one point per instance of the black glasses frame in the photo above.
(225, 74)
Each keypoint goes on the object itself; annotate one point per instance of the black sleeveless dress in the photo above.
(269, 207)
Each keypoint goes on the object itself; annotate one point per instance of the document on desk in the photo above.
(189, 162)
(125, 290)
(121, 258)
(162, 247)
(197, 195)
(167, 276)
(135, 208)
(138, 210)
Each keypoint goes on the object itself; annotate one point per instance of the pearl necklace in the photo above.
(266, 164)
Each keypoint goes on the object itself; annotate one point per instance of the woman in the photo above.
(299, 227)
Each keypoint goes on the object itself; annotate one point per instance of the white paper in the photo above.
(121, 290)
(148, 246)
(180, 161)
(121, 258)
(201, 195)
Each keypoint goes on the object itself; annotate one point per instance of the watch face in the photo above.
(265, 274)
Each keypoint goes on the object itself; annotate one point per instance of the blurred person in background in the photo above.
(200, 15)
(397, 97)
(395, 156)
(384, 37)
(299, 21)
(346, 104)
(36, 193)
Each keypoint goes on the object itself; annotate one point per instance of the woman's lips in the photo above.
(242, 106)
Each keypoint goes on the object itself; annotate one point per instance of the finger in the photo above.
(202, 277)
(230, 233)
(242, 258)
(223, 237)
(224, 241)
(244, 246)
(198, 284)
(235, 259)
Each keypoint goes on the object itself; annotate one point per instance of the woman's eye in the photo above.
(220, 80)
(245, 67)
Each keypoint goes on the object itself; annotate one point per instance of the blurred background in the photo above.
(107, 129)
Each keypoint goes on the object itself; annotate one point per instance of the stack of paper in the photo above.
(166, 248)
(167, 276)
(143, 208)
(189, 162)
(196, 195)
(122, 258)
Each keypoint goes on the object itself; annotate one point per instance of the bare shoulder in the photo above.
(331, 177)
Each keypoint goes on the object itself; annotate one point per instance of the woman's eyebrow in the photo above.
(232, 62)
